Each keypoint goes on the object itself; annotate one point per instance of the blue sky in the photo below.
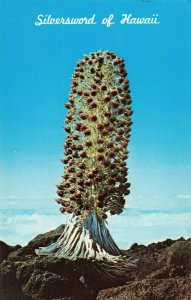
(36, 68)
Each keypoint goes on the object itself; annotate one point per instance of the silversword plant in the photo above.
(94, 183)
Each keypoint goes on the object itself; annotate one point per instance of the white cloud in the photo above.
(145, 228)
(20, 229)
(151, 219)
(185, 196)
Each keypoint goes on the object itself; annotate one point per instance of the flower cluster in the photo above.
(98, 124)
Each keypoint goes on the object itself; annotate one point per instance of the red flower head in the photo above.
(100, 141)
(80, 188)
(76, 137)
(118, 138)
(78, 126)
(79, 92)
(93, 93)
(71, 169)
(81, 166)
(73, 147)
(104, 132)
(80, 182)
(116, 62)
(99, 204)
(83, 127)
(114, 175)
(65, 160)
(93, 105)
(79, 147)
(112, 118)
(111, 181)
(106, 123)
(60, 193)
(122, 65)
(121, 132)
(71, 101)
(88, 182)
(113, 166)
(124, 74)
(75, 154)
(87, 132)
(89, 100)
(65, 185)
(127, 192)
(107, 98)
(67, 105)
(130, 123)
(79, 174)
(83, 154)
(66, 176)
(90, 175)
(110, 128)
(122, 123)
(100, 150)
(98, 178)
(111, 154)
(124, 144)
(67, 129)
(106, 163)
(71, 190)
(100, 127)
(95, 171)
(103, 87)
(127, 130)
(107, 114)
(62, 209)
(114, 92)
(83, 116)
(69, 210)
(93, 86)
(104, 216)
(78, 195)
(120, 111)
(88, 143)
(120, 79)
(100, 59)
(114, 104)
(72, 197)
(93, 118)
(86, 93)
(100, 157)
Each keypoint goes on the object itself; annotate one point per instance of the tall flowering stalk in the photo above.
(94, 183)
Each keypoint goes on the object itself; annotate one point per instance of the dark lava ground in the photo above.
(159, 271)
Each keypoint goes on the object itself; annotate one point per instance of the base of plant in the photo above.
(86, 238)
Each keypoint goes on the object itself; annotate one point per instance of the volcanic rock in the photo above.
(5, 250)
(159, 271)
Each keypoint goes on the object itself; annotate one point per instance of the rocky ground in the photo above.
(160, 271)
